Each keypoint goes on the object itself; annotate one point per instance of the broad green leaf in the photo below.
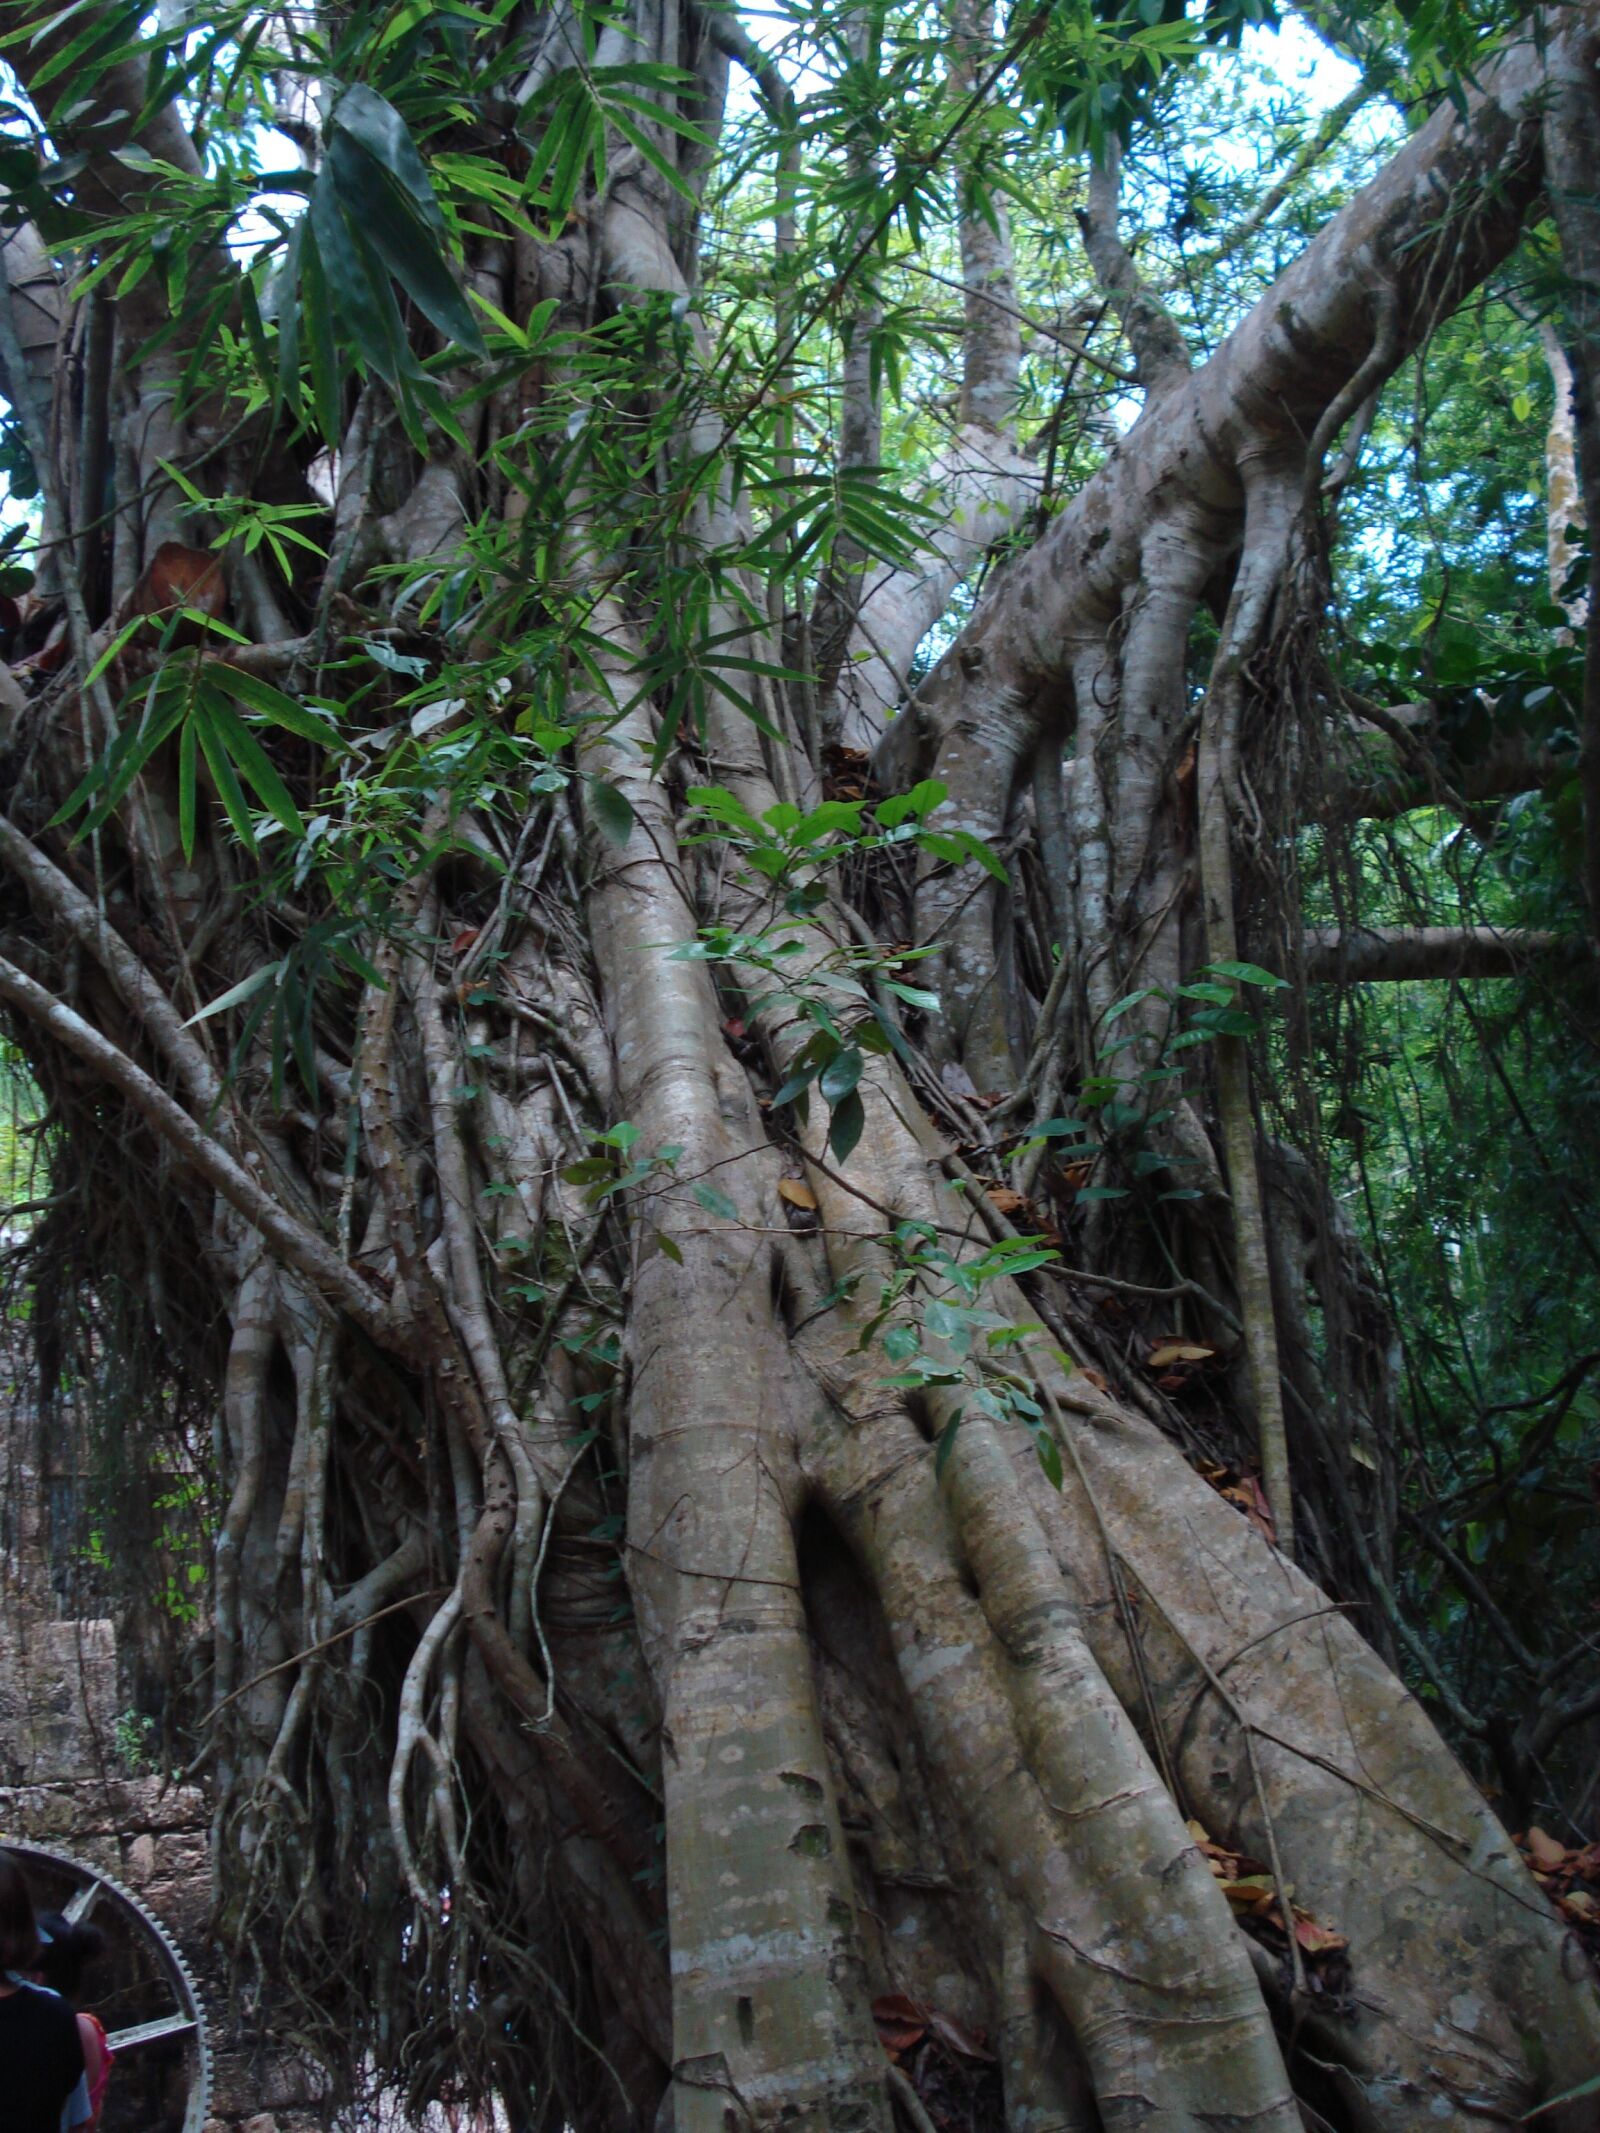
(409, 243)
(359, 286)
(915, 805)
(1049, 1456)
(376, 127)
(1129, 999)
(845, 1127)
(840, 1076)
(612, 811)
(796, 1085)
(946, 1444)
(314, 304)
(1249, 974)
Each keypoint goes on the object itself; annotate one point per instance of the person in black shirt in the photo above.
(41, 2059)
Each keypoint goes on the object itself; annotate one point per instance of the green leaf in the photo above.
(716, 1203)
(268, 974)
(253, 763)
(1049, 1457)
(256, 336)
(105, 782)
(257, 695)
(840, 1076)
(186, 789)
(284, 303)
(796, 1085)
(111, 650)
(668, 1247)
(913, 995)
(377, 127)
(946, 1444)
(845, 1127)
(1249, 974)
(1591, 2087)
(408, 241)
(1129, 999)
(915, 805)
(358, 286)
(315, 305)
(612, 811)
(224, 775)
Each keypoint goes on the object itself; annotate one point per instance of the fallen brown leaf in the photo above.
(1546, 1854)
(1166, 1353)
(1315, 1939)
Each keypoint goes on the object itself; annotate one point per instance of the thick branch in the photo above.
(1429, 228)
(1367, 955)
(1166, 509)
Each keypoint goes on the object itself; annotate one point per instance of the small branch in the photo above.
(1159, 349)
(1333, 125)
(730, 36)
(1473, 1589)
(323, 1644)
(909, 2101)
(1074, 347)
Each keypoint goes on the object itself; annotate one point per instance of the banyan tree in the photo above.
(662, 910)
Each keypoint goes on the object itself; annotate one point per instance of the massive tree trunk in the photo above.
(620, 1654)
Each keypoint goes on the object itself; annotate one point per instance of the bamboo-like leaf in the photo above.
(359, 286)
(268, 974)
(186, 789)
(127, 630)
(224, 776)
(94, 50)
(409, 242)
(256, 336)
(284, 304)
(280, 710)
(378, 129)
(316, 307)
(252, 762)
